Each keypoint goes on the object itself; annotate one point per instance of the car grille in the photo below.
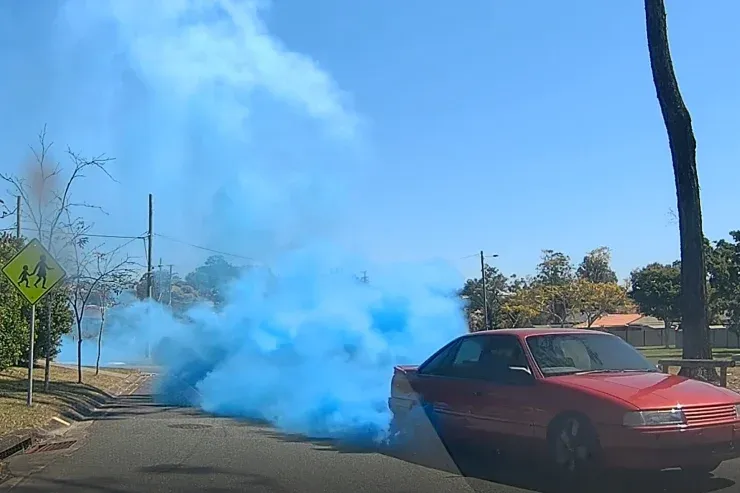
(708, 415)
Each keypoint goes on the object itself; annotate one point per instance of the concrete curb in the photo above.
(21, 440)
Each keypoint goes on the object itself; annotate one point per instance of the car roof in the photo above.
(524, 332)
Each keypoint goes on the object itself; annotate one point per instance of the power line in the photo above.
(90, 235)
(204, 248)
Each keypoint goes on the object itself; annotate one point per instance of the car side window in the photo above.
(501, 357)
(466, 361)
(439, 363)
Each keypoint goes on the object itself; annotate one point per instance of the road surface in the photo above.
(134, 445)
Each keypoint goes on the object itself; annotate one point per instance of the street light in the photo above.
(485, 294)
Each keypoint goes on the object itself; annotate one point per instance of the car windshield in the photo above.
(560, 354)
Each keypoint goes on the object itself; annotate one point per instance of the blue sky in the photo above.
(408, 130)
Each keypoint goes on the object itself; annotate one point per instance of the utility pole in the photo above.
(159, 281)
(169, 299)
(149, 250)
(149, 264)
(18, 217)
(485, 294)
(364, 277)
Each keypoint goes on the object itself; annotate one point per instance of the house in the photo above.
(643, 330)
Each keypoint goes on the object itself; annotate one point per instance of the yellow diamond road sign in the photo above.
(34, 271)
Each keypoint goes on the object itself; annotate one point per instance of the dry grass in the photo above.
(64, 395)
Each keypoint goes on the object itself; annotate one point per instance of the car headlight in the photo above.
(656, 418)
(737, 411)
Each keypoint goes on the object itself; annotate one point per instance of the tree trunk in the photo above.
(683, 154)
(47, 363)
(79, 351)
(100, 340)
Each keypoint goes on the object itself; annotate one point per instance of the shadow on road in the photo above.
(169, 474)
(493, 468)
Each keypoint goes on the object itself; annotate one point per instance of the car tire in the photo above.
(574, 449)
(701, 469)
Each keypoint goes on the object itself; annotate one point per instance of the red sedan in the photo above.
(581, 399)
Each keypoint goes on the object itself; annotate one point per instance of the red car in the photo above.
(580, 399)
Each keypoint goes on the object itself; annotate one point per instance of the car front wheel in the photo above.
(574, 448)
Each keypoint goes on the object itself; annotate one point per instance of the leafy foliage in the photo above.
(61, 322)
(14, 329)
(554, 269)
(472, 291)
(211, 278)
(594, 299)
(723, 269)
(596, 267)
(656, 290)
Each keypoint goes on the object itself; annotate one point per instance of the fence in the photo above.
(720, 337)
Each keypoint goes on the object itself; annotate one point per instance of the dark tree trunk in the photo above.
(79, 352)
(100, 341)
(677, 120)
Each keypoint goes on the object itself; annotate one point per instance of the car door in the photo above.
(444, 386)
(504, 406)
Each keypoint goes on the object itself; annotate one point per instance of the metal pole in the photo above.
(149, 265)
(159, 281)
(18, 217)
(29, 397)
(170, 287)
(149, 252)
(485, 295)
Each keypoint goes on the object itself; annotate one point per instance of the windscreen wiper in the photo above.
(604, 370)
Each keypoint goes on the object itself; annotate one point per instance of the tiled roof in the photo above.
(615, 320)
(648, 321)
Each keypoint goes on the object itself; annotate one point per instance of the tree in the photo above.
(14, 329)
(656, 289)
(210, 279)
(558, 303)
(472, 292)
(46, 204)
(596, 266)
(519, 306)
(594, 299)
(181, 297)
(114, 280)
(554, 269)
(723, 269)
(553, 288)
(682, 142)
(94, 270)
(61, 322)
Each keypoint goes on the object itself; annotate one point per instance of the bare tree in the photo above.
(47, 200)
(694, 317)
(94, 270)
(109, 289)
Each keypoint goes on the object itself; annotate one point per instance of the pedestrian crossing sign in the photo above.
(33, 271)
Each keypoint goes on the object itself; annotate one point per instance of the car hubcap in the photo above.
(570, 451)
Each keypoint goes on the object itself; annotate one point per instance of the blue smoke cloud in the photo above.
(247, 147)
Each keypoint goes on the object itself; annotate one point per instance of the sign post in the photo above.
(34, 272)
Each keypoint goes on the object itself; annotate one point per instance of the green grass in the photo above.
(654, 353)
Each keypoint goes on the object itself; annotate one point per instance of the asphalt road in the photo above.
(135, 445)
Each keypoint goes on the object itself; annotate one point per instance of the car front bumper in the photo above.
(666, 448)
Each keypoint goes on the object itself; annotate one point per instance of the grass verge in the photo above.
(65, 395)
(654, 353)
